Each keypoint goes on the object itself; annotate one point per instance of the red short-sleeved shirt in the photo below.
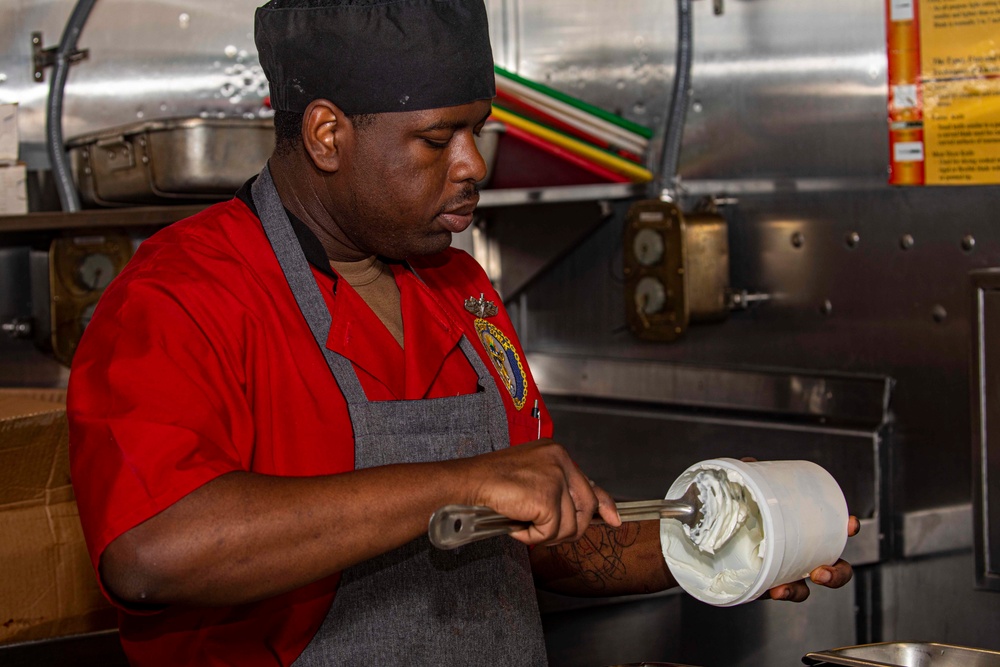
(197, 362)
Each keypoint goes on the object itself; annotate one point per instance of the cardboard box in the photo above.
(13, 190)
(47, 586)
(9, 135)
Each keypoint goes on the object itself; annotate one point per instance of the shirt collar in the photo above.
(311, 247)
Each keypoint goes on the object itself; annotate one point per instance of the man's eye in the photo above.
(436, 144)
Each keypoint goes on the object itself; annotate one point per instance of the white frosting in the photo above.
(724, 510)
(719, 570)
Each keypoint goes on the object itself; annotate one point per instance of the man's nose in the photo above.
(469, 164)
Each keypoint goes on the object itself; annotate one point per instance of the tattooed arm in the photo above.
(621, 561)
(607, 561)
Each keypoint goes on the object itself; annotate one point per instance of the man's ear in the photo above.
(325, 134)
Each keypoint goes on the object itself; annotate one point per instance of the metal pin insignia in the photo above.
(480, 307)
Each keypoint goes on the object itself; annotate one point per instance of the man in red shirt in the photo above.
(276, 394)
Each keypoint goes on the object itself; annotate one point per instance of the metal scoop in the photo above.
(455, 525)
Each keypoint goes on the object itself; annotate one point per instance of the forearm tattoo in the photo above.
(597, 559)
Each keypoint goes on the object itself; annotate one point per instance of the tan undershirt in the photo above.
(375, 283)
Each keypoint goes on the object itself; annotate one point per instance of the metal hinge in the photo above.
(42, 57)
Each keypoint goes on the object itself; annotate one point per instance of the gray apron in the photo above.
(415, 605)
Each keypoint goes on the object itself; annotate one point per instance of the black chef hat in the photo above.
(374, 56)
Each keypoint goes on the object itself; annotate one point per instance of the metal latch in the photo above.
(42, 57)
(115, 154)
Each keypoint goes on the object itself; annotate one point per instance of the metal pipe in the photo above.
(667, 181)
(68, 196)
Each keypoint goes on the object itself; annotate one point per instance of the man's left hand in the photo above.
(831, 576)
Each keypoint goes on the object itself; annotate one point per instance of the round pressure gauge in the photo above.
(80, 268)
(650, 296)
(648, 246)
(95, 271)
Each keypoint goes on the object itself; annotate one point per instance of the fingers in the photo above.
(833, 576)
(606, 507)
(797, 591)
(830, 576)
(571, 516)
(853, 526)
(539, 483)
(583, 504)
(587, 503)
(554, 520)
(539, 530)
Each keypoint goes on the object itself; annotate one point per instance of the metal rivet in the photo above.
(906, 241)
(826, 307)
(939, 313)
(852, 239)
(798, 239)
(968, 242)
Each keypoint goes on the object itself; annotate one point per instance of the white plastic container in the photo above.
(798, 521)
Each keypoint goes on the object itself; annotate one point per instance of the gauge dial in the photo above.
(80, 269)
(650, 296)
(95, 271)
(648, 246)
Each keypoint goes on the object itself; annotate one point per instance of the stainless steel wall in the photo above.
(788, 116)
(147, 59)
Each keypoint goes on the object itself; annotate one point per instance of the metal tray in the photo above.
(170, 161)
(905, 654)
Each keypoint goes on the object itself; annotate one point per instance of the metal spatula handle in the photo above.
(455, 525)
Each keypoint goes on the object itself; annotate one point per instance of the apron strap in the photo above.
(300, 279)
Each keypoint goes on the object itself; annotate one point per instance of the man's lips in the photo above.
(458, 219)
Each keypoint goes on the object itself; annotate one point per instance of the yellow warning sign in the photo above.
(944, 91)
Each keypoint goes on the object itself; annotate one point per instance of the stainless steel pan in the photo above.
(170, 161)
(905, 654)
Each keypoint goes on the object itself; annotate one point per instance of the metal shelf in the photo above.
(555, 195)
(139, 216)
(150, 216)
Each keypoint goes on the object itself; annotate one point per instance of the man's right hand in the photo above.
(538, 482)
